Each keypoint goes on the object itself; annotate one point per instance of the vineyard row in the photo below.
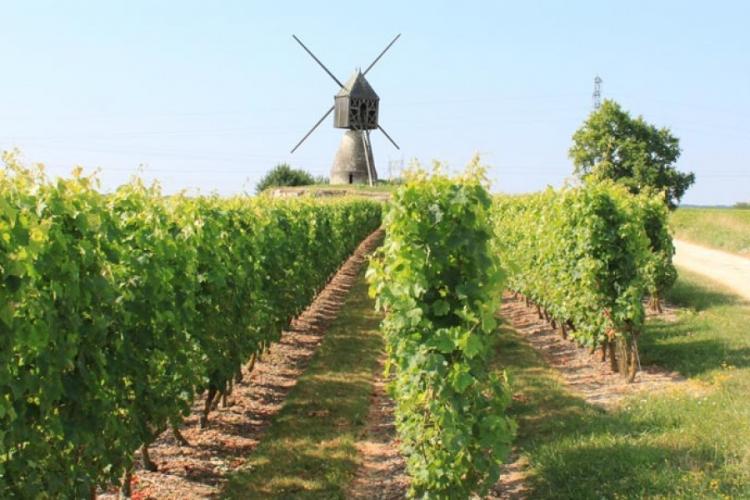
(585, 256)
(117, 309)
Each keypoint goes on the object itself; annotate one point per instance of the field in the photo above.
(692, 442)
(440, 343)
(723, 228)
(377, 192)
(463, 252)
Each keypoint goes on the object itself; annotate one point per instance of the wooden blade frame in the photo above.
(318, 61)
(389, 137)
(341, 85)
(312, 129)
(381, 54)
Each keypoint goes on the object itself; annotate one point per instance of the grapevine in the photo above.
(117, 309)
(586, 256)
(439, 283)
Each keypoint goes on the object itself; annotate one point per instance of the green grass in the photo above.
(723, 228)
(693, 442)
(377, 188)
(309, 450)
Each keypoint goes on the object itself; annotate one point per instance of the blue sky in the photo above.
(211, 95)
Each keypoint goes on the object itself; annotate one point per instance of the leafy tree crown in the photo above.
(613, 145)
(284, 175)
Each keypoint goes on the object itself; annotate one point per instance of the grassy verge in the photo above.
(309, 450)
(723, 228)
(379, 187)
(691, 443)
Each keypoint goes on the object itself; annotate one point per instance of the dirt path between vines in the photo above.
(382, 473)
(726, 268)
(200, 470)
(583, 373)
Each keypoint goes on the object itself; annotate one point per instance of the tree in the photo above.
(284, 175)
(611, 144)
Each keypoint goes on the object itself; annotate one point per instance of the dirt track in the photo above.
(730, 270)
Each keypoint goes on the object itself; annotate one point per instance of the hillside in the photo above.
(379, 192)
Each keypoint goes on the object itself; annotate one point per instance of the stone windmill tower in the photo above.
(356, 109)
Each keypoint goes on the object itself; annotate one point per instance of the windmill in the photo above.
(356, 109)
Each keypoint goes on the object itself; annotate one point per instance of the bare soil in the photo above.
(512, 482)
(233, 432)
(584, 373)
(382, 474)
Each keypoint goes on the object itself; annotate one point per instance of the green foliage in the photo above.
(613, 145)
(439, 283)
(727, 229)
(744, 205)
(117, 309)
(584, 255)
(284, 175)
(659, 271)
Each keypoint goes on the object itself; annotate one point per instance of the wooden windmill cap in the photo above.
(358, 86)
